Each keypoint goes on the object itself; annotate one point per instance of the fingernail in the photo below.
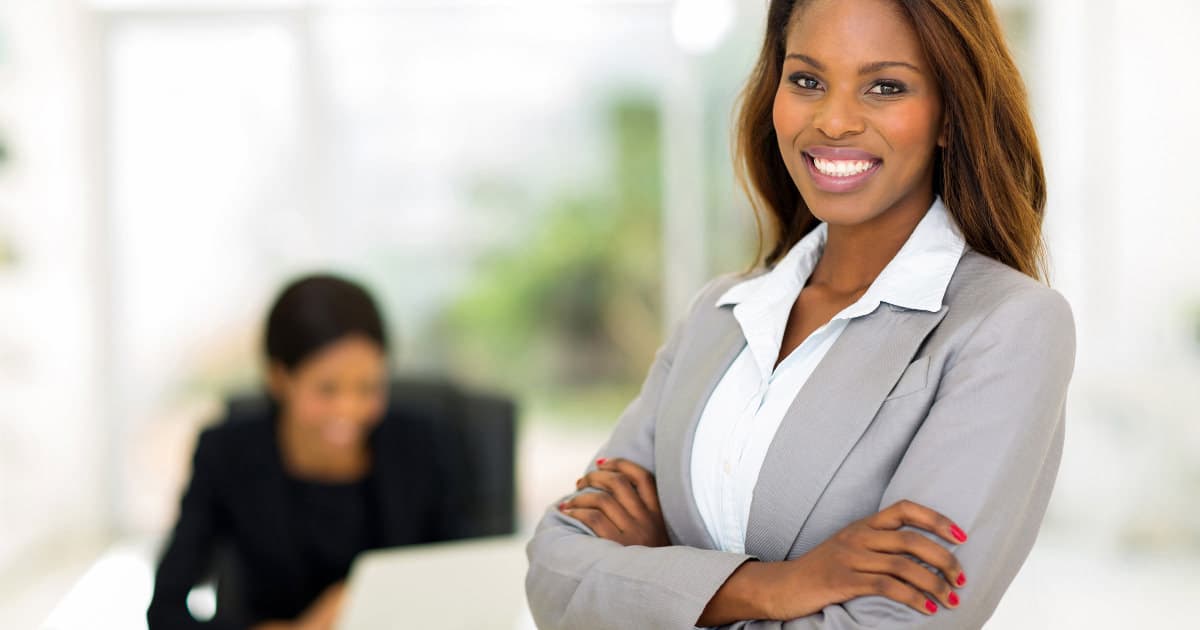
(930, 606)
(953, 598)
(962, 579)
(562, 505)
(958, 533)
(600, 462)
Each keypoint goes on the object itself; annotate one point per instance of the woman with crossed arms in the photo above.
(864, 430)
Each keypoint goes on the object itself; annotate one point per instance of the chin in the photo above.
(341, 440)
(848, 209)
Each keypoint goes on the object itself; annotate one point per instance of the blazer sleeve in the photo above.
(190, 549)
(578, 580)
(986, 457)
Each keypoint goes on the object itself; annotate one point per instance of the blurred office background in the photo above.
(533, 189)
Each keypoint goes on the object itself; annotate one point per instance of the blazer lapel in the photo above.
(701, 364)
(829, 414)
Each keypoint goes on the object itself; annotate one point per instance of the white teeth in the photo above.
(842, 168)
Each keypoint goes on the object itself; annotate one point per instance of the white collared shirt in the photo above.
(744, 411)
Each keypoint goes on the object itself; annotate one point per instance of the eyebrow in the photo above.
(867, 68)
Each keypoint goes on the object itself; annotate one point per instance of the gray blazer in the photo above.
(961, 410)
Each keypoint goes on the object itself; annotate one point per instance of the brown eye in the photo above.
(804, 82)
(888, 88)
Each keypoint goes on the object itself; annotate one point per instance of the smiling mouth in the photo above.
(841, 176)
(842, 168)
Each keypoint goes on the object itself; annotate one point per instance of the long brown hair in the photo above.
(990, 173)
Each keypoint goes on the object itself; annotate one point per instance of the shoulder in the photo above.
(981, 287)
(409, 431)
(409, 443)
(239, 433)
(241, 447)
(703, 317)
(991, 303)
(704, 300)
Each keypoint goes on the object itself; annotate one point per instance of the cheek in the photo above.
(790, 119)
(913, 131)
(310, 409)
(373, 410)
(786, 117)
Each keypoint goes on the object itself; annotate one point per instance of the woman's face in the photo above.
(337, 395)
(857, 113)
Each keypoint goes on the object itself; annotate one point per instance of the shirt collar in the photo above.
(915, 278)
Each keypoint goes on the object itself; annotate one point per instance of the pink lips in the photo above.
(835, 184)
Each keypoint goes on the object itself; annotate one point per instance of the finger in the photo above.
(909, 571)
(595, 520)
(929, 552)
(897, 591)
(620, 487)
(643, 480)
(606, 504)
(904, 513)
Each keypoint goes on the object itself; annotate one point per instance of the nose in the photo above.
(349, 409)
(838, 116)
(357, 407)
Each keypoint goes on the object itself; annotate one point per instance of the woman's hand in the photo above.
(867, 557)
(320, 615)
(871, 557)
(323, 613)
(627, 511)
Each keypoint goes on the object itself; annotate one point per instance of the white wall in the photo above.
(1115, 106)
(53, 487)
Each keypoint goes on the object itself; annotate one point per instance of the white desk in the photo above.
(473, 584)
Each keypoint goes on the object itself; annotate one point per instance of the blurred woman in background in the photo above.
(300, 489)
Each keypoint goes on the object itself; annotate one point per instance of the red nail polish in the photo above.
(958, 533)
(930, 606)
(600, 462)
(953, 598)
(562, 505)
(962, 579)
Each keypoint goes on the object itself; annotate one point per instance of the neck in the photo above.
(854, 255)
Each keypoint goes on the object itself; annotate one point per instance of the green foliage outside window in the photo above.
(576, 304)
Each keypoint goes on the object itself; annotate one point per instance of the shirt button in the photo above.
(728, 468)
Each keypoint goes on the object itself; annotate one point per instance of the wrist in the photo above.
(778, 591)
(764, 590)
(746, 594)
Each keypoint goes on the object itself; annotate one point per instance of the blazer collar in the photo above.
(916, 277)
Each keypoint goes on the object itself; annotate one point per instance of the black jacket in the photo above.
(237, 500)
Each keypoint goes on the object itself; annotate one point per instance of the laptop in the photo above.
(475, 584)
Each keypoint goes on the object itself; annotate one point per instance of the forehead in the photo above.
(854, 31)
(349, 353)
